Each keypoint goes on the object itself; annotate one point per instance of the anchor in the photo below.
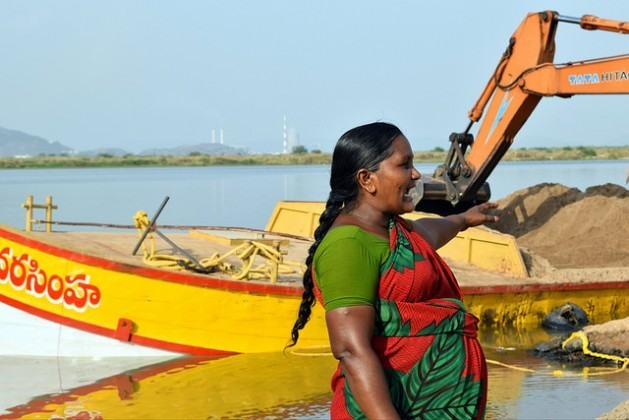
(152, 228)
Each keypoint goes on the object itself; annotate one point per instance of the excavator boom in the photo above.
(525, 73)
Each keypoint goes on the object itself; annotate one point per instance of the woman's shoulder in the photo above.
(346, 241)
(338, 233)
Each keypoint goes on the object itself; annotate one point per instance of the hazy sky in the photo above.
(143, 74)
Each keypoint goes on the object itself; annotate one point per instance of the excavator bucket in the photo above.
(435, 197)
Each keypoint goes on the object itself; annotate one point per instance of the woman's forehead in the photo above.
(401, 145)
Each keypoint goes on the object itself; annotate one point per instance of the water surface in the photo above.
(235, 195)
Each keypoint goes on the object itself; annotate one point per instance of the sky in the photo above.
(158, 74)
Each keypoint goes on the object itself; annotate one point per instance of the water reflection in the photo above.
(247, 385)
(275, 385)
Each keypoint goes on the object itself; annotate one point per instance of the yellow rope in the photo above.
(495, 362)
(623, 361)
(586, 371)
(247, 252)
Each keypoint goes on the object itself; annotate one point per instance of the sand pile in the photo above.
(570, 232)
(567, 227)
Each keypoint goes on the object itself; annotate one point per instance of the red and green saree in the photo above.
(424, 338)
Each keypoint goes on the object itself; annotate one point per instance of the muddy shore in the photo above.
(621, 412)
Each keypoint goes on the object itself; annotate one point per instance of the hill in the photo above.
(202, 148)
(15, 143)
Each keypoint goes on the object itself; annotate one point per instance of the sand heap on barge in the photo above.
(565, 232)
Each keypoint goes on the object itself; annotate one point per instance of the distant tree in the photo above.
(315, 151)
(299, 149)
(105, 155)
(586, 151)
(194, 154)
(438, 149)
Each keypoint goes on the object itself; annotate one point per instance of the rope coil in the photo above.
(622, 361)
(247, 252)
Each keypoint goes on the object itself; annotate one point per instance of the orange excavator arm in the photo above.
(524, 74)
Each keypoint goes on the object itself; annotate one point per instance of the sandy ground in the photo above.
(619, 413)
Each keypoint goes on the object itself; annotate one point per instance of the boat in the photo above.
(90, 294)
(83, 294)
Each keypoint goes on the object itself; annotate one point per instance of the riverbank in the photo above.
(313, 158)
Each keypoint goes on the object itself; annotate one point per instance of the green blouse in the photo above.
(347, 266)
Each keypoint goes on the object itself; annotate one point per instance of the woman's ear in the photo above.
(365, 179)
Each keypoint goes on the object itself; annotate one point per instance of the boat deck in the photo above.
(118, 246)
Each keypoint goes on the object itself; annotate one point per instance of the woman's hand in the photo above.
(438, 231)
(477, 215)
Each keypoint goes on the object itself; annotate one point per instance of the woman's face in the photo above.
(395, 176)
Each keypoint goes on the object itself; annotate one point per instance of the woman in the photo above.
(405, 344)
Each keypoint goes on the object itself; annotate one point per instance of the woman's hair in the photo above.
(362, 147)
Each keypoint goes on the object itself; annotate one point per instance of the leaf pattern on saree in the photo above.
(434, 387)
(351, 405)
(402, 256)
(389, 322)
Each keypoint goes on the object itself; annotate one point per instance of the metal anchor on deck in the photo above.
(152, 228)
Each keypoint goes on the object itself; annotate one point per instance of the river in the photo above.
(235, 195)
(265, 385)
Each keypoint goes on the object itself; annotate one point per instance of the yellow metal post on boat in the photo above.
(29, 212)
(29, 206)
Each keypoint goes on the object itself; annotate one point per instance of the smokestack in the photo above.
(285, 138)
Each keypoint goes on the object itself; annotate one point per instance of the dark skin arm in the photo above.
(439, 231)
(351, 330)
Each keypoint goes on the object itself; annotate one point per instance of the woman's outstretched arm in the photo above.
(438, 231)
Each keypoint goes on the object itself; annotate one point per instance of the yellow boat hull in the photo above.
(173, 311)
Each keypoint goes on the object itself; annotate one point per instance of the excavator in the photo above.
(525, 73)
